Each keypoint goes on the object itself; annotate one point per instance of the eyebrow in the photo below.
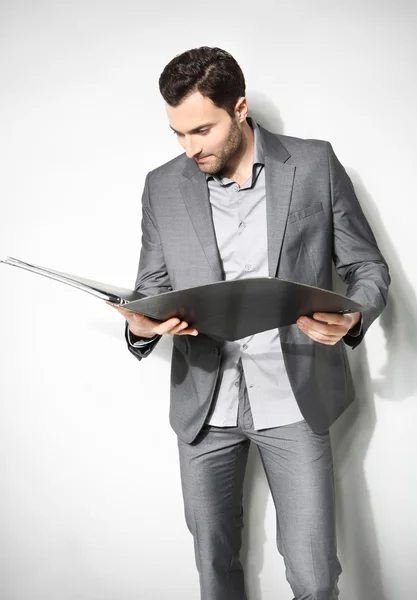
(196, 129)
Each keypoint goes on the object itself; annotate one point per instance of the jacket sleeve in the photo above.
(152, 276)
(356, 255)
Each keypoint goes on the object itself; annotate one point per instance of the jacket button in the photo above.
(216, 351)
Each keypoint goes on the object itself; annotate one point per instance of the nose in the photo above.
(192, 147)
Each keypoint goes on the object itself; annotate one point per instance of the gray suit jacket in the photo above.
(313, 219)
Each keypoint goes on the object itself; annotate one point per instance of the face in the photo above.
(206, 132)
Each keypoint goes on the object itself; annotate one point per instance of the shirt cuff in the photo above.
(138, 342)
(356, 329)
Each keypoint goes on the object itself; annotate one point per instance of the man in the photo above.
(243, 202)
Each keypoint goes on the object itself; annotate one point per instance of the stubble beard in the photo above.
(229, 150)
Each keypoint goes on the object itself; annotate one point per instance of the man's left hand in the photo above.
(328, 328)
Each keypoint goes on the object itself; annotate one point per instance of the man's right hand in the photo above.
(142, 326)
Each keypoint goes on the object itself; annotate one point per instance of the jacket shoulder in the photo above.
(172, 167)
(304, 148)
(163, 180)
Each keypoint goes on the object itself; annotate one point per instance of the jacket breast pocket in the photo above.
(303, 213)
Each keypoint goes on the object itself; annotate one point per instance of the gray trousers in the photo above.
(299, 469)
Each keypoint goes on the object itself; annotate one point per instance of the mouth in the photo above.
(203, 159)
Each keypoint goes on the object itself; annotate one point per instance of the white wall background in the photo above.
(90, 500)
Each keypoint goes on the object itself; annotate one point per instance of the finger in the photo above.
(330, 318)
(166, 326)
(307, 324)
(182, 325)
(322, 339)
(188, 331)
(183, 329)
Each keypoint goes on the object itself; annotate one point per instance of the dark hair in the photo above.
(211, 71)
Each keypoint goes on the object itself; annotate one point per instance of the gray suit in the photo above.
(313, 218)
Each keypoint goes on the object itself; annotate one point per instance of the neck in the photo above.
(239, 167)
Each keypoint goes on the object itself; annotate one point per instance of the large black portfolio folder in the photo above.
(226, 309)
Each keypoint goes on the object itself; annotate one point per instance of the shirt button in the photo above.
(248, 267)
(216, 351)
(242, 226)
(236, 383)
(235, 188)
(251, 385)
(245, 346)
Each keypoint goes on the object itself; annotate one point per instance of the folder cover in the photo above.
(230, 310)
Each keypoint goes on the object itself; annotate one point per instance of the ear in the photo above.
(241, 109)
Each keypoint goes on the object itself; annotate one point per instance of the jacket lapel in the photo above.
(194, 191)
(279, 181)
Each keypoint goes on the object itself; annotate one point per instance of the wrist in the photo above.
(355, 318)
(356, 329)
(141, 334)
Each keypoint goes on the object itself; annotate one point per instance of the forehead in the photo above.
(195, 110)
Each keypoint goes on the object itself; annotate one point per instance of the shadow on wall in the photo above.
(264, 112)
(352, 433)
(357, 540)
(398, 378)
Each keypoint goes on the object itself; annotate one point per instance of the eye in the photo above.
(203, 131)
